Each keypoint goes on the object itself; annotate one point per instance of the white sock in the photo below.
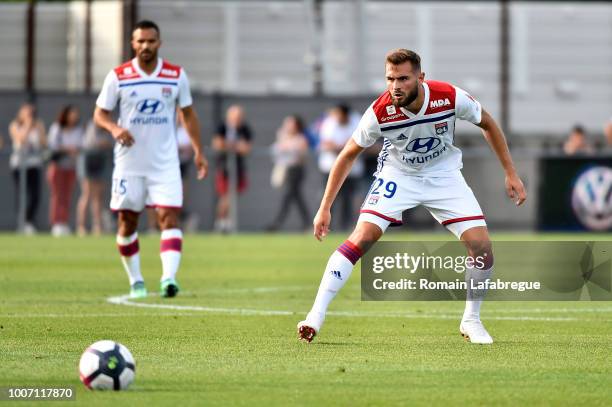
(474, 298)
(130, 256)
(170, 252)
(338, 270)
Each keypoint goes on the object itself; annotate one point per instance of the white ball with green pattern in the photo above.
(107, 365)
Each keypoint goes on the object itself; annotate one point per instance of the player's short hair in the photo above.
(146, 25)
(399, 56)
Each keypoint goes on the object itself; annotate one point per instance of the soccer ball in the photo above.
(592, 198)
(107, 365)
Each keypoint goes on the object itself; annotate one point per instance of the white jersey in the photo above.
(422, 143)
(147, 109)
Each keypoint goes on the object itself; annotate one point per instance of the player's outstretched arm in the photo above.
(102, 118)
(192, 125)
(496, 139)
(336, 178)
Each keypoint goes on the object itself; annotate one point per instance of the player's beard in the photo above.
(408, 99)
(147, 57)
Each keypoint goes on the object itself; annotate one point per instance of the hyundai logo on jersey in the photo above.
(150, 106)
(423, 145)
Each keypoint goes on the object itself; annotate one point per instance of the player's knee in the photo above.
(365, 235)
(168, 219)
(128, 223)
(481, 249)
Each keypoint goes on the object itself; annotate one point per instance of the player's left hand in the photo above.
(201, 164)
(515, 189)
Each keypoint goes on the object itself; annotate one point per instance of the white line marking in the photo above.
(125, 300)
(339, 313)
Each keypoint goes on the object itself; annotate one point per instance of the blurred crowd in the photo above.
(73, 152)
(68, 152)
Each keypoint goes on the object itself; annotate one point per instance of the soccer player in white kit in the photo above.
(418, 165)
(146, 171)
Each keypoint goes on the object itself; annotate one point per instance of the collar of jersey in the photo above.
(142, 73)
(411, 115)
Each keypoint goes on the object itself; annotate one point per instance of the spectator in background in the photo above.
(577, 142)
(336, 129)
(91, 168)
(65, 141)
(29, 141)
(232, 142)
(608, 132)
(290, 152)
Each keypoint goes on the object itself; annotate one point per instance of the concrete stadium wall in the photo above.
(559, 52)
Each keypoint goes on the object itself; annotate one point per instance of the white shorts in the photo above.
(449, 199)
(133, 193)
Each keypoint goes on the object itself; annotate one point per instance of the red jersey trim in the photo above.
(441, 97)
(169, 70)
(465, 219)
(385, 110)
(126, 71)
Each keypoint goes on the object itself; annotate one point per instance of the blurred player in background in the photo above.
(146, 171)
(418, 165)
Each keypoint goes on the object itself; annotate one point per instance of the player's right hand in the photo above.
(515, 189)
(321, 224)
(122, 136)
(201, 164)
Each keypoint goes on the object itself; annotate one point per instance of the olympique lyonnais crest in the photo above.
(167, 92)
(441, 128)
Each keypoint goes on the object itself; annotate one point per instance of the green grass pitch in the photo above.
(237, 344)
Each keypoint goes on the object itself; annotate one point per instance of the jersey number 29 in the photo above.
(390, 188)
